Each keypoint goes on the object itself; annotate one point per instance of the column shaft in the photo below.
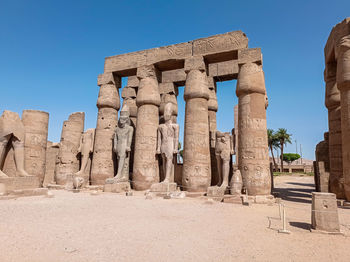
(146, 169)
(196, 167)
(108, 103)
(253, 147)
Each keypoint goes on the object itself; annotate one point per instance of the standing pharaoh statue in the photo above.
(122, 146)
(224, 148)
(85, 149)
(12, 134)
(167, 147)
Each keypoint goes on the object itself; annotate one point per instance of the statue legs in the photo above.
(3, 144)
(219, 166)
(84, 161)
(18, 147)
(225, 172)
(167, 168)
(121, 176)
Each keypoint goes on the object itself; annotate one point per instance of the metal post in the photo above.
(284, 229)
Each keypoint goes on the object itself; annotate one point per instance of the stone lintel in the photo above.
(128, 92)
(168, 88)
(216, 48)
(108, 78)
(340, 30)
(133, 81)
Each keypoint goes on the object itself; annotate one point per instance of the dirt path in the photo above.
(109, 227)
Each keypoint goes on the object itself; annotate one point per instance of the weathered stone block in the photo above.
(19, 183)
(117, 187)
(324, 213)
(163, 187)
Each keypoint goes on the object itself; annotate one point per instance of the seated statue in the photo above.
(12, 134)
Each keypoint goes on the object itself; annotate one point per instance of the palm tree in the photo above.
(273, 144)
(283, 138)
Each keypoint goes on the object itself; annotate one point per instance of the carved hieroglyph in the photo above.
(146, 170)
(253, 148)
(67, 159)
(36, 129)
(85, 149)
(108, 103)
(196, 173)
(12, 134)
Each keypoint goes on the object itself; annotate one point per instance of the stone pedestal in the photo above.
(163, 187)
(196, 173)
(36, 129)
(108, 104)
(253, 147)
(324, 214)
(20, 183)
(67, 160)
(120, 187)
(146, 170)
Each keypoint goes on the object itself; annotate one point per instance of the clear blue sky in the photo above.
(52, 51)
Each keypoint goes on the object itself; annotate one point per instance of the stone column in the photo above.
(108, 104)
(343, 83)
(196, 173)
(67, 159)
(212, 109)
(52, 150)
(146, 169)
(36, 125)
(235, 111)
(332, 102)
(253, 147)
(129, 99)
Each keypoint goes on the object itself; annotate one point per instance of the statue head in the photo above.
(124, 117)
(168, 112)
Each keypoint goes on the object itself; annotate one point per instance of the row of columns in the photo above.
(200, 119)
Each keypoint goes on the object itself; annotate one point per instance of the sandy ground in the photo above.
(109, 227)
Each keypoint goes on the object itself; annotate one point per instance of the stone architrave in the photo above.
(253, 147)
(167, 147)
(322, 169)
(146, 170)
(12, 134)
(85, 149)
(324, 214)
(36, 125)
(196, 173)
(52, 150)
(332, 102)
(212, 109)
(343, 83)
(67, 159)
(224, 148)
(108, 104)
